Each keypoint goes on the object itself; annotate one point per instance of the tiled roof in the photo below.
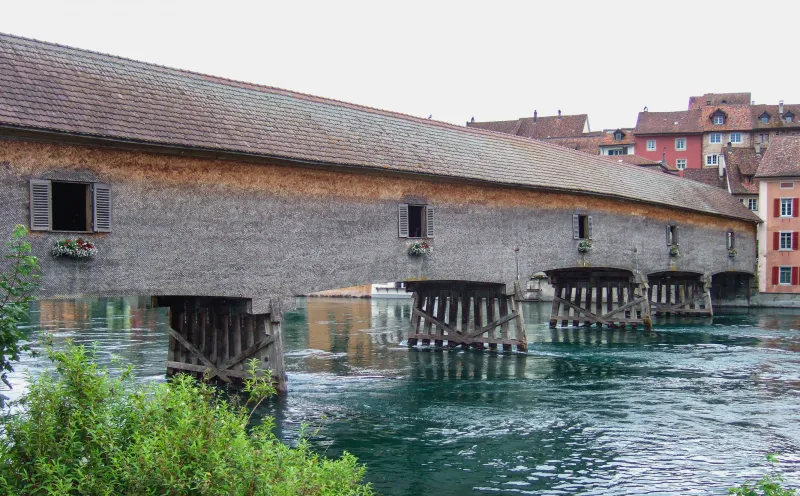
(782, 158)
(586, 143)
(708, 176)
(553, 126)
(56, 88)
(737, 118)
(607, 139)
(775, 120)
(637, 160)
(680, 122)
(741, 162)
(696, 102)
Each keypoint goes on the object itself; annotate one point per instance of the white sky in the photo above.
(492, 60)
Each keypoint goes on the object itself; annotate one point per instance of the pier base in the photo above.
(214, 338)
(466, 314)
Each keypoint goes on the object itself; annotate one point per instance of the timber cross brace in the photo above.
(213, 338)
(467, 314)
(676, 293)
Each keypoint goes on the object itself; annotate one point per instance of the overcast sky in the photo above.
(455, 60)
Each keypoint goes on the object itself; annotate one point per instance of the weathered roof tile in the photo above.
(782, 158)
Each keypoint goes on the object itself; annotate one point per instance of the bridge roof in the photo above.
(45, 86)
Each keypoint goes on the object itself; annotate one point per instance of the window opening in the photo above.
(752, 204)
(70, 206)
(712, 159)
(731, 240)
(715, 138)
(680, 164)
(672, 235)
(651, 145)
(581, 226)
(787, 185)
(416, 221)
(785, 275)
(680, 144)
(786, 241)
(736, 137)
(719, 119)
(786, 207)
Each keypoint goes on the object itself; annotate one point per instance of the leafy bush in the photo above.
(17, 283)
(770, 484)
(84, 432)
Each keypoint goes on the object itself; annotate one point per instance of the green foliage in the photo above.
(84, 432)
(771, 484)
(16, 285)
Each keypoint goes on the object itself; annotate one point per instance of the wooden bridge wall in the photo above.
(199, 226)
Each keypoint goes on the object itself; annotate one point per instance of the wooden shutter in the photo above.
(669, 235)
(576, 230)
(675, 235)
(794, 240)
(795, 204)
(429, 229)
(776, 240)
(795, 274)
(101, 207)
(402, 220)
(589, 227)
(776, 210)
(775, 276)
(41, 201)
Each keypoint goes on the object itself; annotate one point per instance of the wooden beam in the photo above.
(193, 350)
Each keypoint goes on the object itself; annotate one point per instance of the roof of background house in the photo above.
(607, 138)
(679, 122)
(586, 143)
(708, 176)
(741, 162)
(637, 160)
(737, 118)
(696, 102)
(48, 87)
(782, 158)
(551, 126)
(775, 120)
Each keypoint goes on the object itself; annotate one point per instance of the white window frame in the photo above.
(787, 237)
(789, 118)
(786, 207)
(714, 162)
(682, 148)
(718, 137)
(651, 145)
(752, 204)
(718, 120)
(736, 135)
(680, 163)
(781, 272)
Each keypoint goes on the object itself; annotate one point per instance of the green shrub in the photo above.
(771, 484)
(81, 431)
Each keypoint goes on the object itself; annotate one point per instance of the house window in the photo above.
(617, 136)
(616, 151)
(415, 221)
(70, 206)
(785, 276)
(786, 207)
(680, 163)
(680, 144)
(719, 119)
(785, 241)
(736, 138)
(672, 235)
(712, 160)
(764, 118)
(787, 185)
(715, 138)
(788, 117)
(651, 145)
(764, 137)
(731, 240)
(581, 226)
(752, 204)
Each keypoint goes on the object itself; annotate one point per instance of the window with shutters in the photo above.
(731, 240)
(786, 207)
(785, 240)
(415, 221)
(672, 235)
(70, 206)
(785, 276)
(581, 226)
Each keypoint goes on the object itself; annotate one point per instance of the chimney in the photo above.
(559, 114)
(758, 149)
(472, 120)
(780, 107)
(535, 115)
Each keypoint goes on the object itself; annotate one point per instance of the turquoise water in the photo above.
(691, 408)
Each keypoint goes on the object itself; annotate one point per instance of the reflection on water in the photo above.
(691, 407)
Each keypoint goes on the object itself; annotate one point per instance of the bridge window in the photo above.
(70, 206)
(415, 221)
(672, 235)
(731, 240)
(581, 226)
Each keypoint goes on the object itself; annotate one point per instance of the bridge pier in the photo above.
(215, 337)
(585, 296)
(680, 293)
(469, 314)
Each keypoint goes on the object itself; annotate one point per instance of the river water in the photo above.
(691, 408)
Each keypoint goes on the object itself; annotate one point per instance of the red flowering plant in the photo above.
(79, 248)
(419, 248)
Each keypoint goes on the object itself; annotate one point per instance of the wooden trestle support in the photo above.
(466, 314)
(213, 338)
(680, 294)
(612, 298)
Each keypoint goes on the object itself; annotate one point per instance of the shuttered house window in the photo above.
(415, 221)
(70, 206)
(672, 235)
(581, 226)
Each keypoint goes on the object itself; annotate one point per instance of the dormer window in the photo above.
(718, 119)
(618, 136)
(764, 118)
(788, 117)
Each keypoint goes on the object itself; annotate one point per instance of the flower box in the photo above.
(419, 248)
(78, 248)
(584, 246)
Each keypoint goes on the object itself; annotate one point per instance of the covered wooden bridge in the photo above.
(224, 199)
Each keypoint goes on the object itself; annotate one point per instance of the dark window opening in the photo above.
(583, 227)
(416, 221)
(70, 206)
(731, 240)
(672, 235)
